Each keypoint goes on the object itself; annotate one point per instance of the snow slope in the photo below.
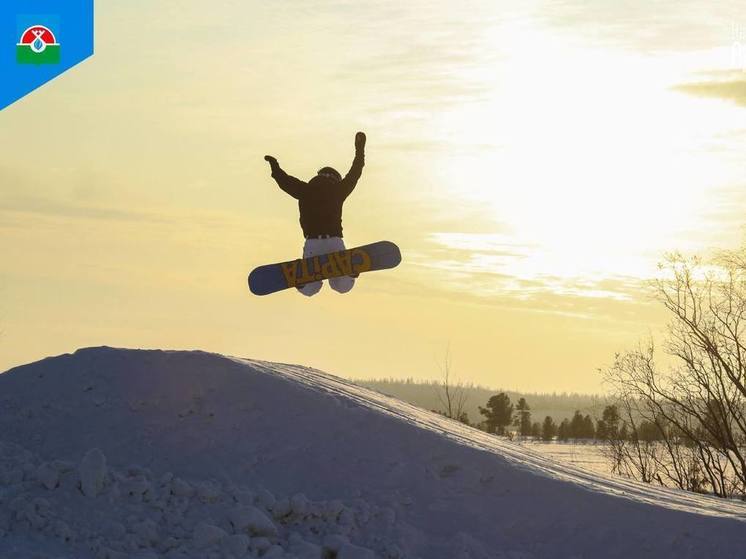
(117, 453)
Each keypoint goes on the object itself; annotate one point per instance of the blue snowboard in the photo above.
(294, 273)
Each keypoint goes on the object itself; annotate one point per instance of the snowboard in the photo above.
(295, 273)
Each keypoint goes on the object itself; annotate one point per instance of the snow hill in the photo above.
(111, 453)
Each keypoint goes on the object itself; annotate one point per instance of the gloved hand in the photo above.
(360, 140)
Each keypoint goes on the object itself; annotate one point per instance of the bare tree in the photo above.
(452, 396)
(698, 405)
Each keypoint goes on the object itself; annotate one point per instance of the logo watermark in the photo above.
(38, 45)
(49, 38)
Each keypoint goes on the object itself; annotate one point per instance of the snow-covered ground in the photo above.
(588, 456)
(113, 453)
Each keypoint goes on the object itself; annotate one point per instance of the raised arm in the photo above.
(286, 182)
(353, 175)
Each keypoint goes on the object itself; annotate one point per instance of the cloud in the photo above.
(734, 91)
(677, 25)
(417, 63)
(494, 265)
(58, 208)
(498, 291)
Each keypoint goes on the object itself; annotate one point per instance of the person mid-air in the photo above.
(320, 203)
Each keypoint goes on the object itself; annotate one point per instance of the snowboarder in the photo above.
(320, 203)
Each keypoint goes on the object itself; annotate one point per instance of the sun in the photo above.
(590, 156)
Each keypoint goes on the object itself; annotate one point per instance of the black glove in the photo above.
(273, 164)
(360, 140)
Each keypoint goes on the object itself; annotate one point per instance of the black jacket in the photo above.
(320, 199)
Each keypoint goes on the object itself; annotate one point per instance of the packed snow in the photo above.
(110, 453)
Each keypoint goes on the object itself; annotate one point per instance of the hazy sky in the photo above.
(533, 160)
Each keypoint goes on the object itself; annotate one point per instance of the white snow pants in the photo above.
(315, 247)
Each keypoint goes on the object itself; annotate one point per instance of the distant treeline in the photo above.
(425, 394)
(500, 415)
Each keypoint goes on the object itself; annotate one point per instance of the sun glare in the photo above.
(593, 158)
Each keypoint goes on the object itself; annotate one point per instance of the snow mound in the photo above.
(110, 453)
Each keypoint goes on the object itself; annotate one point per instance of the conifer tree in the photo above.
(588, 430)
(607, 428)
(548, 429)
(536, 430)
(576, 426)
(523, 417)
(563, 431)
(498, 413)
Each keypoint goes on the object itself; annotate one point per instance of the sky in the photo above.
(534, 161)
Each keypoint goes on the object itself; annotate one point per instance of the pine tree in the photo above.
(588, 431)
(608, 426)
(498, 413)
(548, 429)
(523, 417)
(536, 430)
(576, 426)
(563, 431)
